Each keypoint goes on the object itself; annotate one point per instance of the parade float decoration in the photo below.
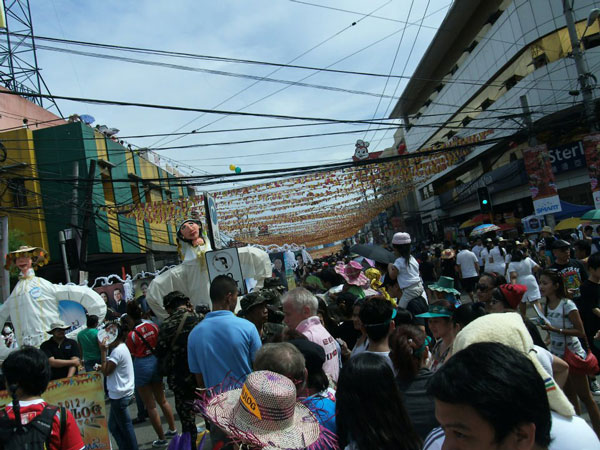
(35, 303)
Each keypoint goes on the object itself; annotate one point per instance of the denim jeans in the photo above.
(89, 365)
(120, 426)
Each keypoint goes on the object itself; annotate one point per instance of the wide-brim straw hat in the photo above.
(39, 256)
(509, 329)
(264, 413)
(352, 273)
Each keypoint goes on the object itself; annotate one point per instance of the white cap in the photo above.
(401, 238)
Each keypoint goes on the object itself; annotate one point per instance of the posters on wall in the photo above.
(541, 180)
(113, 296)
(591, 145)
(83, 395)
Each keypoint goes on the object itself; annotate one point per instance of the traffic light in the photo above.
(485, 201)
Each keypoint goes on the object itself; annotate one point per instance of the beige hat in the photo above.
(58, 325)
(509, 329)
(547, 229)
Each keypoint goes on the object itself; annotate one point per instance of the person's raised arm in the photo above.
(106, 367)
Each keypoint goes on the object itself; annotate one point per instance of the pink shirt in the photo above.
(315, 332)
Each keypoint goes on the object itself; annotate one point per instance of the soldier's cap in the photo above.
(251, 300)
(271, 295)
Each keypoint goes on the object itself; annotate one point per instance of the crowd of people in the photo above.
(477, 345)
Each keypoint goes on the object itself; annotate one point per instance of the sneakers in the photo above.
(594, 387)
(160, 443)
(169, 434)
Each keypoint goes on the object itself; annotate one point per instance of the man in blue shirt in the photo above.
(222, 346)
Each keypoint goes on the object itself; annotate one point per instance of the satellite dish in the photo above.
(87, 119)
(111, 132)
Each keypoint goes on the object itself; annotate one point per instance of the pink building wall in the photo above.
(13, 109)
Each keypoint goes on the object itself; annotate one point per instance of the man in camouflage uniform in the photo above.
(172, 354)
(274, 326)
(263, 309)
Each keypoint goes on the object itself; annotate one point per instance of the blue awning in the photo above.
(571, 210)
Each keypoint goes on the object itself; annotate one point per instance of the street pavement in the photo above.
(145, 433)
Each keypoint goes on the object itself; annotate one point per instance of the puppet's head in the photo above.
(26, 258)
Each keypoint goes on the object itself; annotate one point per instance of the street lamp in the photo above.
(592, 17)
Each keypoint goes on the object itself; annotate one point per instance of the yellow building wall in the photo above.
(115, 238)
(158, 231)
(138, 223)
(30, 218)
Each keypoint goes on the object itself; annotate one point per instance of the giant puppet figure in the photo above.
(33, 303)
(191, 276)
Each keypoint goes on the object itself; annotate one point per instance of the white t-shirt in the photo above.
(545, 358)
(466, 259)
(477, 250)
(496, 262)
(121, 382)
(559, 318)
(566, 433)
(485, 253)
(524, 271)
(407, 274)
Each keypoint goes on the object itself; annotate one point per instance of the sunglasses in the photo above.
(483, 287)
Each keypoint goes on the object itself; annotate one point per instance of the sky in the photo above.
(281, 31)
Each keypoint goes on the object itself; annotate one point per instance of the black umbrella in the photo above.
(374, 252)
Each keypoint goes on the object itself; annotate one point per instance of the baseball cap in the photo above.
(560, 243)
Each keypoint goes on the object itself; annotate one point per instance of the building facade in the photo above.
(41, 198)
(487, 59)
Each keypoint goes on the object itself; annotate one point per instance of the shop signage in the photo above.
(542, 186)
(567, 157)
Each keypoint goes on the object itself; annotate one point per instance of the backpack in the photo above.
(33, 436)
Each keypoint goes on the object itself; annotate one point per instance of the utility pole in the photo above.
(62, 241)
(87, 214)
(583, 74)
(3, 254)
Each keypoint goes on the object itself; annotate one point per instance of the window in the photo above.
(19, 192)
(591, 41)
(512, 81)
(471, 47)
(494, 17)
(450, 134)
(453, 70)
(107, 185)
(466, 121)
(540, 61)
(135, 193)
(486, 103)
